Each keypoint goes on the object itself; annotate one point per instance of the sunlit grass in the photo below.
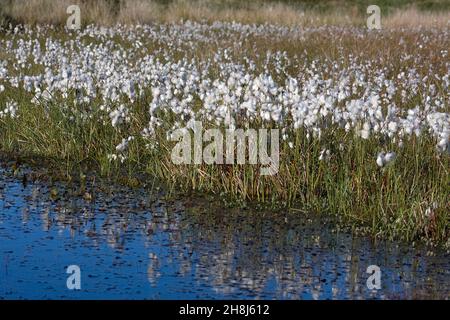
(407, 199)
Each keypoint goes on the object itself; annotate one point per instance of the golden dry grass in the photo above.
(54, 12)
(103, 12)
(412, 17)
(37, 11)
(139, 11)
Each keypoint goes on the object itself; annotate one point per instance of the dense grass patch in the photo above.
(326, 165)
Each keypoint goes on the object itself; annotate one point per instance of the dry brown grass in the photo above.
(54, 12)
(139, 11)
(412, 17)
(147, 11)
(277, 13)
(38, 11)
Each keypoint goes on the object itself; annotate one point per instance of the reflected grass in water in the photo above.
(130, 244)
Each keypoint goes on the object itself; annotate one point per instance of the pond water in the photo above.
(130, 245)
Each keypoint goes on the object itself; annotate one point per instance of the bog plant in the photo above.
(362, 116)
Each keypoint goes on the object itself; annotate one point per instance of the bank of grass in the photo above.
(407, 200)
(284, 12)
(385, 203)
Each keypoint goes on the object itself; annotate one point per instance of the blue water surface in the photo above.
(132, 245)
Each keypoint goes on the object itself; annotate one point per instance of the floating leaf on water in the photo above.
(87, 196)
(53, 193)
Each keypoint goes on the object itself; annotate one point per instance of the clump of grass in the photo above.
(386, 203)
(406, 200)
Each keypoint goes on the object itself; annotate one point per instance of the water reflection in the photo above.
(132, 245)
